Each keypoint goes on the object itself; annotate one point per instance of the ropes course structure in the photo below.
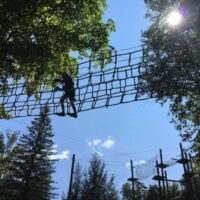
(96, 87)
(148, 169)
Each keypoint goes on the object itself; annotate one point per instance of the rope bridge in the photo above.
(96, 87)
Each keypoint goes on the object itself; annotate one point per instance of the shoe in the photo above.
(61, 114)
(72, 115)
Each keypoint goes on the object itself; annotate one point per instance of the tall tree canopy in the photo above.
(93, 183)
(34, 165)
(96, 184)
(38, 37)
(173, 72)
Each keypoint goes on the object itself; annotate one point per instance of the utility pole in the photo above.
(71, 177)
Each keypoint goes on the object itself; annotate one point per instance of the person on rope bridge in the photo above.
(68, 92)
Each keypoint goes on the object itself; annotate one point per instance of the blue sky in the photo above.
(131, 131)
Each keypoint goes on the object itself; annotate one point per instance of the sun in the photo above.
(174, 18)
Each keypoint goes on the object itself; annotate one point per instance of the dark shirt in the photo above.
(67, 83)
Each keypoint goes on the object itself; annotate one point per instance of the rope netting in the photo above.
(96, 87)
(148, 168)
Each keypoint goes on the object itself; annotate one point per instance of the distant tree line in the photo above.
(95, 184)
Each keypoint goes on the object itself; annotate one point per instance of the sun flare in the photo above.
(174, 18)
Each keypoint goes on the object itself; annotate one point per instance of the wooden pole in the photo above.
(162, 173)
(71, 177)
(132, 177)
(188, 193)
(159, 184)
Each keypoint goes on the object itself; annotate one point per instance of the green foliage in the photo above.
(33, 165)
(96, 184)
(8, 151)
(196, 182)
(93, 183)
(173, 74)
(153, 193)
(197, 157)
(38, 38)
(3, 113)
(174, 191)
(77, 183)
(127, 193)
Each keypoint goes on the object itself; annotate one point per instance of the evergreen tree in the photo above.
(34, 166)
(153, 193)
(127, 193)
(77, 183)
(8, 151)
(96, 184)
(93, 183)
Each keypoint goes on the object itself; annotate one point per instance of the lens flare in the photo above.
(174, 18)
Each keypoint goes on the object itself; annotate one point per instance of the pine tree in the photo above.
(153, 193)
(8, 151)
(96, 184)
(127, 193)
(77, 183)
(34, 164)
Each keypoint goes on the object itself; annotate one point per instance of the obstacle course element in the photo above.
(116, 83)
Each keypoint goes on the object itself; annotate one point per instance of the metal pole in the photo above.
(71, 177)
(132, 176)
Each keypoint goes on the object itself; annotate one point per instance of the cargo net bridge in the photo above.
(96, 87)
